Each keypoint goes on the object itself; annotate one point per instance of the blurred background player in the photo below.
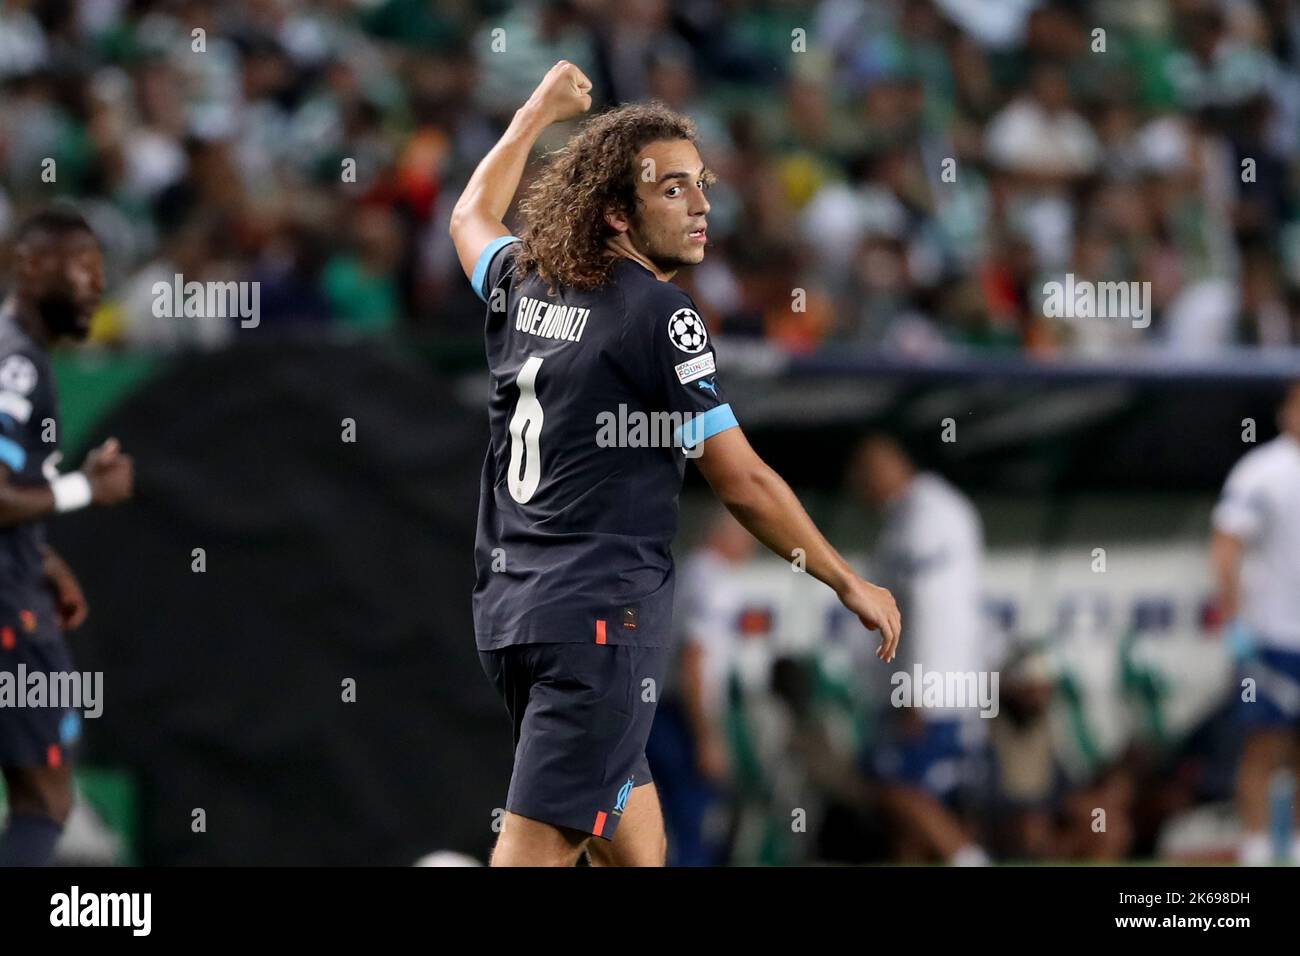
(688, 748)
(930, 550)
(1256, 557)
(58, 278)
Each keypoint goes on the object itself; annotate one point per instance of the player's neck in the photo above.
(622, 246)
(25, 316)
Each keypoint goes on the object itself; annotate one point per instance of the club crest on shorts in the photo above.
(624, 792)
(686, 330)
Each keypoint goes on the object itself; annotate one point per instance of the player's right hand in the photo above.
(565, 92)
(1227, 605)
(111, 474)
(877, 610)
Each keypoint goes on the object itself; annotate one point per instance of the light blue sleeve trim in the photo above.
(12, 454)
(1241, 641)
(703, 427)
(485, 260)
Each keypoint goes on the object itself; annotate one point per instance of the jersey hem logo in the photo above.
(686, 330)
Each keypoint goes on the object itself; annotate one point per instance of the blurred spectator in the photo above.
(1021, 742)
(1039, 135)
(361, 282)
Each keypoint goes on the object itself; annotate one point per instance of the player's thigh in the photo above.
(45, 791)
(1266, 747)
(36, 743)
(583, 735)
(1270, 713)
(640, 839)
(528, 842)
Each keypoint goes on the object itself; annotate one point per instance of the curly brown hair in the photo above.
(563, 212)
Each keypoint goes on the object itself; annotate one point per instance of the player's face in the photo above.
(881, 472)
(64, 276)
(670, 228)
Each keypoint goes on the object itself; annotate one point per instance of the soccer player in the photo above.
(1256, 558)
(931, 553)
(573, 602)
(57, 282)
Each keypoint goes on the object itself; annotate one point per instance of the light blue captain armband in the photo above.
(12, 454)
(485, 260)
(700, 428)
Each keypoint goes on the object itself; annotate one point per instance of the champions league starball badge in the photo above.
(686, 330)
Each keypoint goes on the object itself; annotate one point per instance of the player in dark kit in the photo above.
(57, 281)
(603, 383)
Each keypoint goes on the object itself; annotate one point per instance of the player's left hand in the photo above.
(877, 610)
(69, 600)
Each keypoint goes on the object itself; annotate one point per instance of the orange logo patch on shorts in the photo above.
(29, 620)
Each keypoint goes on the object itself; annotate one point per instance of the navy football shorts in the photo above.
(1276, 672)
(581, 714)
(34, 736)
(934, 758)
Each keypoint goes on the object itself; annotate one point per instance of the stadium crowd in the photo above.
(900, 174)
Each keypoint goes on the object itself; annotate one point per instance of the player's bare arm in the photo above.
(109, 473)
(565, 92)
(767, 507)
(711, 755)
(1225, 556)
(69, 599)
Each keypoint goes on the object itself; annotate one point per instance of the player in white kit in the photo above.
(931, 550)
(1256, 556)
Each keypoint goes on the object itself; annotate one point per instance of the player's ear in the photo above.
(616, 220)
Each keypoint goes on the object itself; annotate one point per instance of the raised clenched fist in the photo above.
(565, 92)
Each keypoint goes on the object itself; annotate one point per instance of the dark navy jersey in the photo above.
(597, 399)
(28, 432)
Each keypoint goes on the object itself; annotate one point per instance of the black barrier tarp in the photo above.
(1013, 434)
(325, 560)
